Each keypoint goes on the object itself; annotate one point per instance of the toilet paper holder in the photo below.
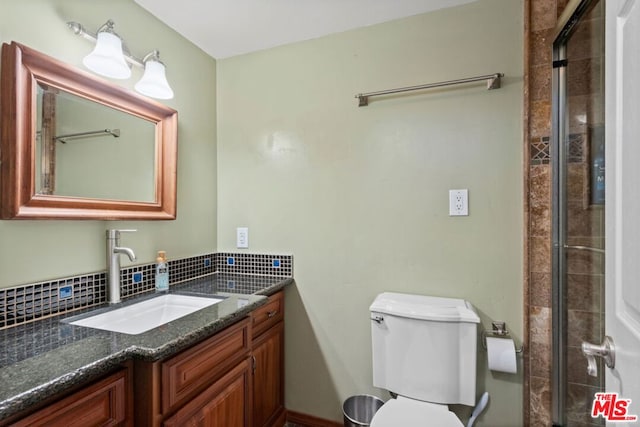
(498, 329)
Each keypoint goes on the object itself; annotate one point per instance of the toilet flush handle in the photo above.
(378, 319)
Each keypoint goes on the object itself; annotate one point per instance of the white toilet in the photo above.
(424, 350)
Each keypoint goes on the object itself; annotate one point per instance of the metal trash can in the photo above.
(359, 410)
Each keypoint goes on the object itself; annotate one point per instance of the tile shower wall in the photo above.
(584, 276)
(30, 302)
(543, 15)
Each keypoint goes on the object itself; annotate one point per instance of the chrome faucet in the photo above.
(113, 261)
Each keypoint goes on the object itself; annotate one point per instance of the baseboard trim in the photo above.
(304, 420)
(279, 419)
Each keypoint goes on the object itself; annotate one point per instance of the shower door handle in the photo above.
(606, 350)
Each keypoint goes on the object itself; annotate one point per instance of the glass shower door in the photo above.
(579, 199)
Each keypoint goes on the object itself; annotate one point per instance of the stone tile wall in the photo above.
(585, 270)
(542, 15)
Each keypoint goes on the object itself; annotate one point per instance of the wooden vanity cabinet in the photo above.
(207, 384)
(106, 402)
(268, 363)
(234, 378)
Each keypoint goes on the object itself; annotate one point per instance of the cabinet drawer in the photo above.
(100, 404)
(186, 374)
(268, 315)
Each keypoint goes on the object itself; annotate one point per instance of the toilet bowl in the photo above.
(404, 411)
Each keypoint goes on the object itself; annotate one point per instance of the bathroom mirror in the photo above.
(76, 146)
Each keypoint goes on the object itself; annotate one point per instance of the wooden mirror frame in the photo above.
(22, 69)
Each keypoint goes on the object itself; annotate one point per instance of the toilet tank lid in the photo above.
(424, 307)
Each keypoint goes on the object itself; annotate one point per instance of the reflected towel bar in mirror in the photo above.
(80, 135)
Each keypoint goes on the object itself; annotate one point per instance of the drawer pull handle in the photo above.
(272, 313)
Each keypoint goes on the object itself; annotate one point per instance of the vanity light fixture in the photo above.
(111, 58)
(154, 81)
(107, 58)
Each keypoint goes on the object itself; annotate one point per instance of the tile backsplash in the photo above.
(255, 264)
(30, 302)
(22, 304)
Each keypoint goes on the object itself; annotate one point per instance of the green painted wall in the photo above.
(38, 250)
(360, 195)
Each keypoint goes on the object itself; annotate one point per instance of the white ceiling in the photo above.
(225, 28)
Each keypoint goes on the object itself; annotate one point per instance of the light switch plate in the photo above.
(242, 237)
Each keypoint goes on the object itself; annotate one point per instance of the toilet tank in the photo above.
(424, 347)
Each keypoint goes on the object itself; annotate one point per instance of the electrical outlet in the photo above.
(459, 202)
(242, 237)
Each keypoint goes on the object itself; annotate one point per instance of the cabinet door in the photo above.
(223, 404)
(268, 376)
(186, 374)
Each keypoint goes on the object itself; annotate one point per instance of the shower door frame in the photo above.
(565, 27)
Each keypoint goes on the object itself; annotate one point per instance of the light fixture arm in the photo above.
(154, 55)
(79, 30)
(107, 26)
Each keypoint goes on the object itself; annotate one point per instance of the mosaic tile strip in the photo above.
(576, 148)
(189, 268)
(26, 303)
(141, 279)
(255, 264)
(137, 280)
(540, 150)
(31, 302)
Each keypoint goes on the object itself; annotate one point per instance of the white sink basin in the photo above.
(140, 317)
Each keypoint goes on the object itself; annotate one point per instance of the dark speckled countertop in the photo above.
(40, 359)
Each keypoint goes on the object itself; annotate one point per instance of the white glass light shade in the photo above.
(107, 58)
(154, 81)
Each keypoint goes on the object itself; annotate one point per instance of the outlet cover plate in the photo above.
(459, 202)
(242, 237)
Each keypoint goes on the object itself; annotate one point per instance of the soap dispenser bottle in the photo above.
(162, 272)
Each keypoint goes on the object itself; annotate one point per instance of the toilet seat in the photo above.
(410, 412)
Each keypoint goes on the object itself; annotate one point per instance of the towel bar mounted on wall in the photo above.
(493, 82)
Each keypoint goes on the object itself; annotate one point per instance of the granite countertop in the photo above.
(42, 358)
